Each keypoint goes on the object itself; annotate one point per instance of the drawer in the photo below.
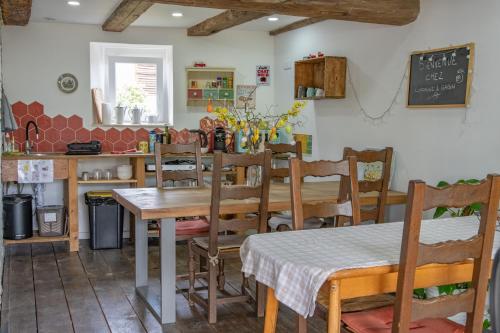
(195, 94)
(210, 93)
(226, 94)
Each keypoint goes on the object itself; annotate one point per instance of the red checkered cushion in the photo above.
(380, 321)
(195, 226)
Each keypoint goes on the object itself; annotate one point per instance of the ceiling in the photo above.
(97, 11)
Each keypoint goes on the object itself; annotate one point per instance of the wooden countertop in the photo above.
(57, 156)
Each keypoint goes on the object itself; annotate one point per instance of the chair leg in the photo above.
(191, 272)
(212, 294)
(221, 279)
(244, 284)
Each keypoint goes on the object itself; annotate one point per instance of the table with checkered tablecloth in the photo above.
(297, 263)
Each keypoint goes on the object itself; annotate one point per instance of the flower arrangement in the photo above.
(252, 124)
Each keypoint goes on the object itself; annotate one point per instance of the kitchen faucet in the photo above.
(28, 143)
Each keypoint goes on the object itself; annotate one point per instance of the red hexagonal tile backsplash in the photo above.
(56, 132)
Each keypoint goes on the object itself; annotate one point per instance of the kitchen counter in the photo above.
(66, 169)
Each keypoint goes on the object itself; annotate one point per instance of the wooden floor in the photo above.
(48, 289)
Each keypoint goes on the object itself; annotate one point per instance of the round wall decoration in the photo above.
(67, 83)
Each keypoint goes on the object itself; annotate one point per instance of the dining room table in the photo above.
(168, 204)
(329, 265)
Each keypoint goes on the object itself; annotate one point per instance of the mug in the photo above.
(320, 92)
(311, 92)
(143, 146)
(120, 114)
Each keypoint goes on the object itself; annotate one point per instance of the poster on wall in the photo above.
(35, 171)
(246, 94)
(263, 75)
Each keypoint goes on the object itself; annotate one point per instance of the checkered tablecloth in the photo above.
(297, 263)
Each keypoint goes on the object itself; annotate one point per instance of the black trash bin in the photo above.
(105, 220)
(17, 216)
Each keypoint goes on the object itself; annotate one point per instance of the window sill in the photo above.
(160, 125)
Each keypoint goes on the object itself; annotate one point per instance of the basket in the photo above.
(51, 220)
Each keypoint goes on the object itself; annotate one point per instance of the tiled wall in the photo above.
(56, 132)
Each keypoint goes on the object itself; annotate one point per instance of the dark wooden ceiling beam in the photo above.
(394, 12)
(15, 12)
(297, 25)
(225, 20)
(125, 14)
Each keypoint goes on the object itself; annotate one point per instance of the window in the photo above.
(135, 76)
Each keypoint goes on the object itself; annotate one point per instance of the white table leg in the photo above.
(141, 253)
(167, 261)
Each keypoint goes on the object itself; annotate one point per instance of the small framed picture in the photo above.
(67, 83)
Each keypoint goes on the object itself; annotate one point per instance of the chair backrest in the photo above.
(414, 254)
(164, 150)
(380, 185)
(221, 192)
(495, 294)
(283, 148)
(348, 202)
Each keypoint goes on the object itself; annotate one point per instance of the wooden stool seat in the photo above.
(195, 226)
(224, 242)
(380, 321)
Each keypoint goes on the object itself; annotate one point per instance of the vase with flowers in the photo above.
(255, 127)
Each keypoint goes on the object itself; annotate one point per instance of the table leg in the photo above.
(261, 295)
(73, 205)
(167, 270)
(141, 253)
(272, 306)
(301, 324)
(334, 308)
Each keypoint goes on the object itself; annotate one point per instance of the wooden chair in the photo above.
(432, 313)
(192, 227)
(282, 148)
(216, 247)
(347, 204)
(495, 294)
(282, 221)
(381, 185)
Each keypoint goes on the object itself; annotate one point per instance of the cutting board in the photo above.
(97, 101)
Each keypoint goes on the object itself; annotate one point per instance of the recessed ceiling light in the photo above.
(272, 19)
(177, 14)
(73, 3)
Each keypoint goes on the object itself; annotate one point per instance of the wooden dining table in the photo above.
(171, 203)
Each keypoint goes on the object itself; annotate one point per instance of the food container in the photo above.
(124, 171)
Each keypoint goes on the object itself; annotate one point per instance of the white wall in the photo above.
(34, 57)
(430, 144)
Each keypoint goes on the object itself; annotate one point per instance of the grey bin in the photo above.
(105, 220)
(51, 220)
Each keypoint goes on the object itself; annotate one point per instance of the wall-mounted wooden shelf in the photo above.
(107, 181)
(327, 73)
(200, 89)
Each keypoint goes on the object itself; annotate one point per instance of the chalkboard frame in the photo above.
(470, 73)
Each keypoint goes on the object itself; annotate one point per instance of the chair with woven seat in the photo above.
(431, 315)
(380, 185)
(219, 245)
(282, 221)
(188, 228)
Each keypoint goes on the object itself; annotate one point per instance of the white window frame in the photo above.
(104, 56)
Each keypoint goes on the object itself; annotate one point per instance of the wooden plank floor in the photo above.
(48, 289)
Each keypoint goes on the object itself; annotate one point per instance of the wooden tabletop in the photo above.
(153, 203)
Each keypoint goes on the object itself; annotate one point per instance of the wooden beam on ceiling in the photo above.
(15, 12)
(225, 20)
(297, 25)
(394, 12)
(127, 12)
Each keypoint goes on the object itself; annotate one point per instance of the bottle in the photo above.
(152, 140)
(230, 82)
(224, 82)
(167, 136)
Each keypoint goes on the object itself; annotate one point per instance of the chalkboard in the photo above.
(441, 77)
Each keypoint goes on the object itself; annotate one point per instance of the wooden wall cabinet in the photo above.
(327, 73)
(202, 85)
